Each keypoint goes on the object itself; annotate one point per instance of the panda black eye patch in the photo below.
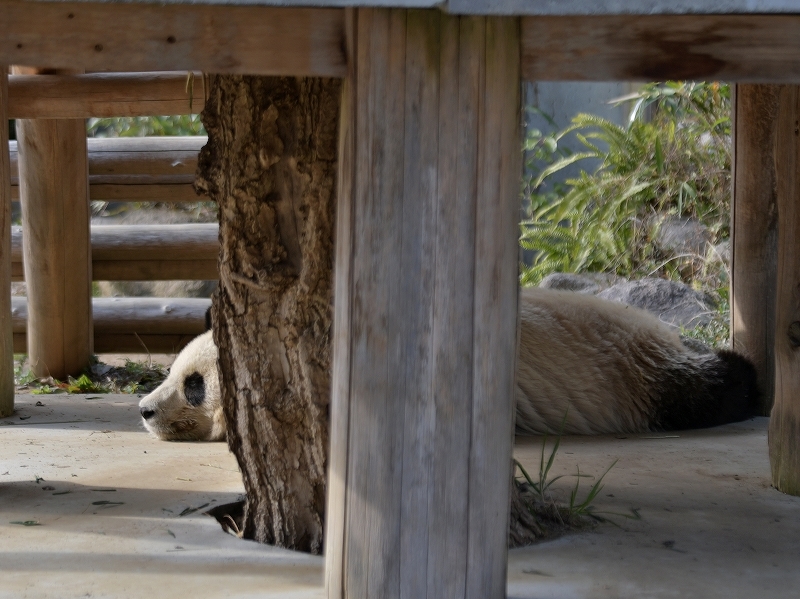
(194, 389)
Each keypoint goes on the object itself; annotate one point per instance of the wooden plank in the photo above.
(727, 47)
(462, 68)
(135, 325)
(429, 94)
(155, 242)
(336, 507)
(134, 315)
(104, 95)
(6, 341)
(54, 194)
(495, 304)
(784, 424)
(157, 37)
(143, 252)
(754, 231)
(137, 169)
(155, 270)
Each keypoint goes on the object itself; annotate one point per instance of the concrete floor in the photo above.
(711, 525)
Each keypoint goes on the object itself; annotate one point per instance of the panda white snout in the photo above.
(186, 406)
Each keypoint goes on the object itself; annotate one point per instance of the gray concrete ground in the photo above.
(711, 525)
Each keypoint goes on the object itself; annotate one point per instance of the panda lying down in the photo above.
(611, 368)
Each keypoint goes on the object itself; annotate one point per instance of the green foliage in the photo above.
(675, 163)
(140, 126)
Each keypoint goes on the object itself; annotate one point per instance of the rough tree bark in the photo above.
(270, 164)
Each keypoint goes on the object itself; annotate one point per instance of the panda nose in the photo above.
(147, 413)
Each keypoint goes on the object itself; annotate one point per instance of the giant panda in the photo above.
(586, 366)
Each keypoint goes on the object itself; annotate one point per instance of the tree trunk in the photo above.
(270, 164)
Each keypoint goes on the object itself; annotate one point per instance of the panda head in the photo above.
(186, 406)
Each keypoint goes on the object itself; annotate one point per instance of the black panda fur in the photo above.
(609, 367)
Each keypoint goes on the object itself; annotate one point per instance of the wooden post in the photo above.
(425, 307)
(784, 425)
(6, 337)
(754, 231)
(54, 193)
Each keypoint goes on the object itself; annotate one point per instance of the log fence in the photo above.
(55, 324)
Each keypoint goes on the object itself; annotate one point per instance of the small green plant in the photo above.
(553, 517)
(84, 384)
(585, 508)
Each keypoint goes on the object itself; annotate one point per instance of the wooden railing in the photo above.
(125, 169)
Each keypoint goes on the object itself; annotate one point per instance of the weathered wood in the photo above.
(54, 193)
(157, 37)
(131, 324)
(104, 95)
(143, 252)
(754, 231)
(426, 303)
(155, 270)
(784, 425)
(749, 48)
(6, 342)
(139, 169)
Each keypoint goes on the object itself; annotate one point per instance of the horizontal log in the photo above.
(745, 48)
(144, 252)
(256, 40)
(154, 270)
(161, 325)
(103, 95)
(136, 169)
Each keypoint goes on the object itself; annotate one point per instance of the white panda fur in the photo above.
(611, 368)
(186, 406)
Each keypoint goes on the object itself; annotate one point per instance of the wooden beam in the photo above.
(784, 424)
(137, 169)
(54, 194)
(747, 48)
(426, 307)
(256, 40)
(6, 345)
(143, 252)
(754, 231)
(104, 95)
(131, 324)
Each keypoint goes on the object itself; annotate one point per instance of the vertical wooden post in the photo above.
(784, 425)
(54, 193)
(754, 231)
(425, 308)
(6, 336)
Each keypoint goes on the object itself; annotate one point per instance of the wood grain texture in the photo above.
(747, 48)
(128, 315)
(754, 231)
(104, 95)
(54, 193)
(428, 197)
(138, 169)
(6, 341)
(212, 39)
(143, 252)
(784, 425)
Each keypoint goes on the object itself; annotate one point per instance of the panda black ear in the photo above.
(208, 319)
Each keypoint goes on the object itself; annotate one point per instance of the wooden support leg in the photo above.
(425, 307)
(54, 193)
(754, 232)
(6, 336)
(784, 426)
